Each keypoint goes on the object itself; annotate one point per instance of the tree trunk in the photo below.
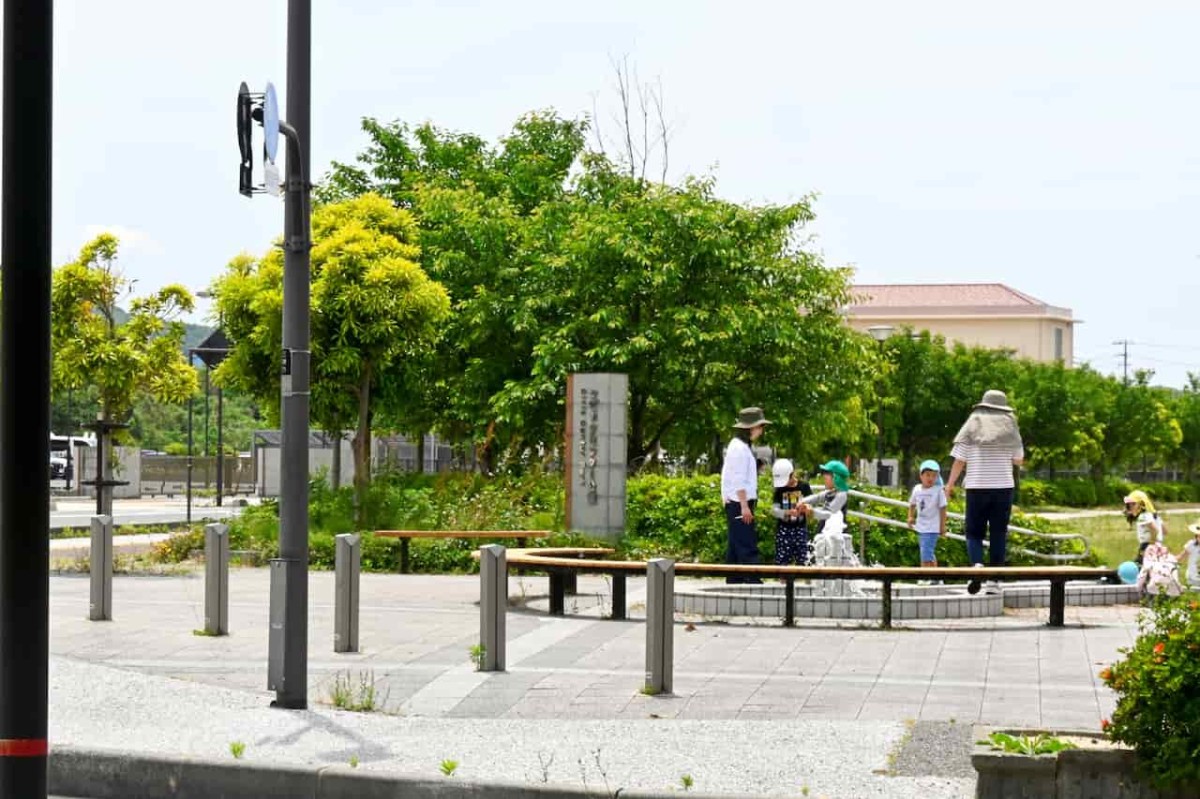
(362, 448)
(421, 453)
(335, 469)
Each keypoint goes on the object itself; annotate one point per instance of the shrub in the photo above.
(677, 517)
(1158, 706)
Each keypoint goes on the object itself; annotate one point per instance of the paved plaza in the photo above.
(843, 710)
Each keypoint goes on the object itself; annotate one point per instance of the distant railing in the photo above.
(167, 475)
(1054, 557)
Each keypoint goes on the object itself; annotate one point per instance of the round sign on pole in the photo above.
(270, 122)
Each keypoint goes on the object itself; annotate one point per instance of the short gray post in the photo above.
(216, 579)
(347, 565)
(101, 569)
(660, 626)
(493, 606)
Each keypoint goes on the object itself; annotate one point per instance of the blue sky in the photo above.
(1051, 146)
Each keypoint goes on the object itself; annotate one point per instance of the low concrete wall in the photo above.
(108, 774)
(1070, 774)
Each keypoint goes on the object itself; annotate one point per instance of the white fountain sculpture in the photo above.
(833, 546)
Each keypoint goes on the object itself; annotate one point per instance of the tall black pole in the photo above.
(207, 393)
(289, 678)
(220, 446)
(190, 461)
(25, 396)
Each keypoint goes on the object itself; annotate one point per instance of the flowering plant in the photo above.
(1158, 692)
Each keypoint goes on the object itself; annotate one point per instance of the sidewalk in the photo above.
(757, 709)
(77, 512)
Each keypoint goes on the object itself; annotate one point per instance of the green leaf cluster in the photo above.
(118, 355)
(1158, 705)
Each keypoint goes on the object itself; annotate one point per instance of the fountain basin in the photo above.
(908, 601)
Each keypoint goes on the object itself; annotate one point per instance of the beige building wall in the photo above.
(1030, 337)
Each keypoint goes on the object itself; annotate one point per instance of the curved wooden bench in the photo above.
(563, 560)
(522, 537)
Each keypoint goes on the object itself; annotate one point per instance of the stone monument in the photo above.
(596, 453)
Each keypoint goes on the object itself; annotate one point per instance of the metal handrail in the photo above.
(1050, 556)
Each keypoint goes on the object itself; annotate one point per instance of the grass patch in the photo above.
(1114, 541)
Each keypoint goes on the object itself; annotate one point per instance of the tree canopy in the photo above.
(372, 308)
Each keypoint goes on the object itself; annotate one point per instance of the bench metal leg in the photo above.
(404, 556)
(521, 542)
(789, 610)
(557, 593)
(885, 604)
(1058, 603)
(571, 583)
(618, 596)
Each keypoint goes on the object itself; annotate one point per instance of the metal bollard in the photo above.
(216, 579)
(493, 606)
(347, 566)
(660, 626)
(101, 569)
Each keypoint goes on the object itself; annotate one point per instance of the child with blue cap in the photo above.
(927, 511)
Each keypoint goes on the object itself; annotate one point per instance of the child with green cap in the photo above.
(927, 511)
(833, 499)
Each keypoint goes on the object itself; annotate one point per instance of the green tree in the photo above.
(121, 356)
(707, 305)
(1186, 410)
(373, 308)
(1061, 412)
(1139, 428)
(475, 204)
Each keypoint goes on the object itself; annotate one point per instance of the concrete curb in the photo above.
(113, 774)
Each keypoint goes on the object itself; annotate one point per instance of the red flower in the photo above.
(1105, 724)
(1159, 647)
(1106, 674)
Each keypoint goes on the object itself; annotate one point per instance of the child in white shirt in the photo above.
(1140, 513)
(1191, 550)
(927, 511)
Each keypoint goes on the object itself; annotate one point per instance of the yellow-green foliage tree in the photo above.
(374, 311)
(125, 347)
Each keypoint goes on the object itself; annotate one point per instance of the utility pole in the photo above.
(291, 680)
(28, 69)
(1124, 345)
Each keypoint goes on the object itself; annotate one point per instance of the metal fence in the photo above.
(167, 474)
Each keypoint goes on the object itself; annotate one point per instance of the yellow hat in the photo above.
(1140, 497)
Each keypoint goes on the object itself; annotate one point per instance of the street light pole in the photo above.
(880, 333)
(289, 677)
(28, 70)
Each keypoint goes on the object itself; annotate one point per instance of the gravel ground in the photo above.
(936, 748)
(96, 706)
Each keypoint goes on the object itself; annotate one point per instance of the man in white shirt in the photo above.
(739, 491)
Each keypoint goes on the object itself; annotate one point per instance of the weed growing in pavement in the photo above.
(353, 761)
(478, 653)
(448, 767)
(360, 698)
(545, 763)
(237, 749)
(686, 782)
(600, 768)
(204, 633)
(1026, 745)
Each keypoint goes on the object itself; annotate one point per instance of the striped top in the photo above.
(988, 465)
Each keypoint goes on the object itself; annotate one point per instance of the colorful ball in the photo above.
(1128, 572)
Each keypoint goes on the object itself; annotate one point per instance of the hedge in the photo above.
(678, 517)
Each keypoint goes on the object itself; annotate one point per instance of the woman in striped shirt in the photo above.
(988, 446)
